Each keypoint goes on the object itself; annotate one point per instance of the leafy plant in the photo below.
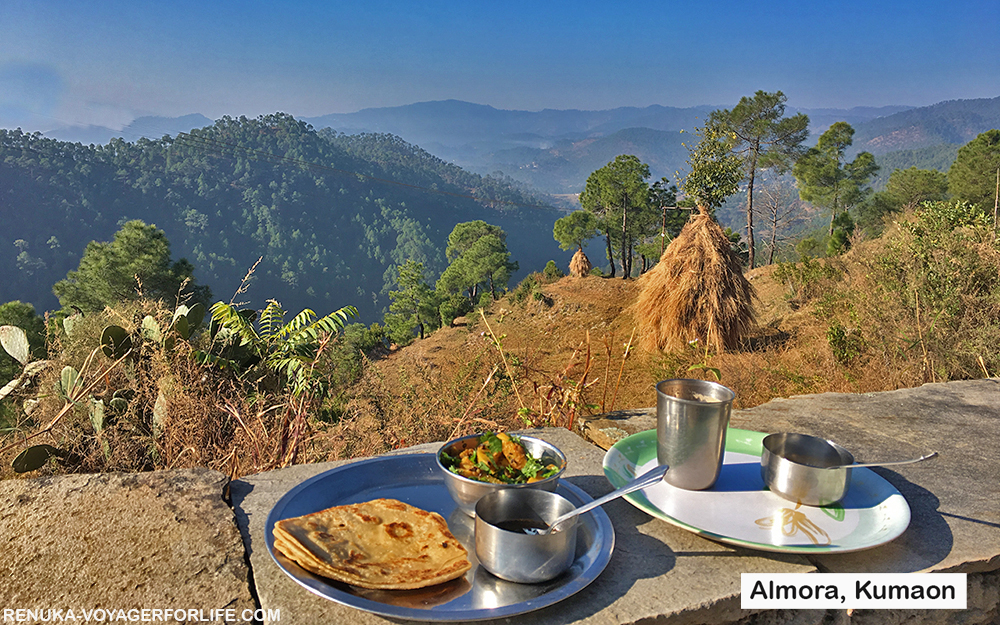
(846, 343)
(273, 346)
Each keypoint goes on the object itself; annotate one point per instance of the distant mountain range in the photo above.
(150, 127)
(555, 150)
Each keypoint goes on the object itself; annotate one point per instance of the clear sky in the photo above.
(105, 62)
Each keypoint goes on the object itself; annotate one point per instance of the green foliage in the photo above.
(551, 273)
(847, 344)
(287, 350)
(827, 180)
(973, 175)
(758, 133)
(715, 171)
(906, 189)
(941, 274)
(808, 248)
(453, 306)
(524, 289)
(843, 228)
(937, 157)
(314, 206)
(135, 264)
(575, 229)
(356, 343)
(414, 305)
(479, 259)
(617, 194)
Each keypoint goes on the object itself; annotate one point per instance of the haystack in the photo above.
(580, 265)
(696, 291)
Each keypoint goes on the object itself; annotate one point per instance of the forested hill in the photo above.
(330, 214)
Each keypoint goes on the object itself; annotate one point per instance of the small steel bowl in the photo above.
(507, 551)
(466, 492)
(806, 469)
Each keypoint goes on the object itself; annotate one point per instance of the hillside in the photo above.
(548, 335)
(833, 325)
(329, 214)
(952, 122)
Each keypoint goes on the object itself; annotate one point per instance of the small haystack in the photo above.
(696, 291)
(580, 265)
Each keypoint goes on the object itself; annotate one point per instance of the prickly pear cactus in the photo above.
(115, 342)
(186, 320)
(69, 382)
(15, 343)
(151, 329)
(33, 458)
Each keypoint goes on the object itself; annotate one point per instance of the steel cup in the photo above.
(511, 554)
(691, 421)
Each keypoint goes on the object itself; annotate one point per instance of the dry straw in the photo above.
(580, 265)
(696, 291)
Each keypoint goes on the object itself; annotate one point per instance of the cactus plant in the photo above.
(115, 342)
(69, 382)
(34, 457)
(97, 414)
(69, 323)
(15, 343)
(186, 320)
(151, 329)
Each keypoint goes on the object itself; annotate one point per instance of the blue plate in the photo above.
(415, 479)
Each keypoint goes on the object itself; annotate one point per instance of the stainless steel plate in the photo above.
(415, 479)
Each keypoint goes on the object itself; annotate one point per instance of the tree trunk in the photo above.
(750, 241)
(663, 230)
(611, 253)
(626, 265)
(774, 241)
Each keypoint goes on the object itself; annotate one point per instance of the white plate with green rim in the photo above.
(740, 510)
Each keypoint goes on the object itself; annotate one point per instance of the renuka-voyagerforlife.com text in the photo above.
(137, 615)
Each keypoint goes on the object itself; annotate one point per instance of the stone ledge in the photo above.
(168, 539)
(165, 539)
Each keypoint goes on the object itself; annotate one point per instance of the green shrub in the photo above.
(938, 288)
(808, 279)
(453, 306)
(526, 287)
(846, 343)
(551, 273)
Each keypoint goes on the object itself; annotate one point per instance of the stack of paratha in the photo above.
(381, 544)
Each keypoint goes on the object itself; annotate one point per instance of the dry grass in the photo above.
(579, 265)
(547, 361)
(696, 292)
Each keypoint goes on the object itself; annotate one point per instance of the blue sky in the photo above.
(106, 62)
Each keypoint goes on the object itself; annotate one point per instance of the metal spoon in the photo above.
(653, 476)
(883, 464)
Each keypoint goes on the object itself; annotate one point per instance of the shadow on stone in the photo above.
(926, 542)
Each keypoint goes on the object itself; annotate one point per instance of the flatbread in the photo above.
(381, 544)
